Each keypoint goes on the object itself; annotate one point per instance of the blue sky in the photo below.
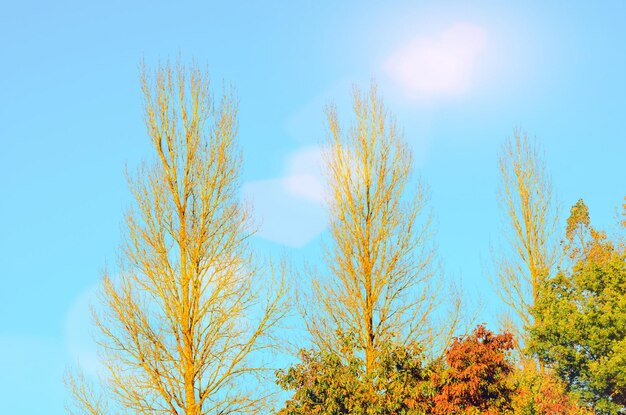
(459, 77)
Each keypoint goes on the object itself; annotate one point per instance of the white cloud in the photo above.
(290, 208)
(304, 175)
(435, 66)
(284, 218)
(305, 186)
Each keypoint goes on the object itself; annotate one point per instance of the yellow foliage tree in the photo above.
(382, 284)
(525, 196)
(185, 320)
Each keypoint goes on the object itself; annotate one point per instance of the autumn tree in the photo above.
(582, 313)
(525, 196)
(578, 231)
(473, 377)
(381, 282)
(184, 319)
(476, 379)
(336, 383)
(539, 393)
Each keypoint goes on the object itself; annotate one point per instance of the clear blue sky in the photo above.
(459, 76)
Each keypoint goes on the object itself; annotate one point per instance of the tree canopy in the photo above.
(473, 377)
(581, 314)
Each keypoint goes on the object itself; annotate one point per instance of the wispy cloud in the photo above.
(304, 175)
(440, 65)
(290, 208)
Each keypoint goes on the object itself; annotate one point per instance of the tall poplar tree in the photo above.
(184, 319)
(531, 216)
(382, 282)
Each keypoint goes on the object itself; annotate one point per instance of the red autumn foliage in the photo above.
(477, 376)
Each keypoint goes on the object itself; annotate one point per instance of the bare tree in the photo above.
(531, 216)
(382, 284)
(185, 321)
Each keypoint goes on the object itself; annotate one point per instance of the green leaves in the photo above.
(327, 383)
(473, 377)
(581, 318)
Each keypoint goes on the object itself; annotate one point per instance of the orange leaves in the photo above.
(476, 380)
(543, 394)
